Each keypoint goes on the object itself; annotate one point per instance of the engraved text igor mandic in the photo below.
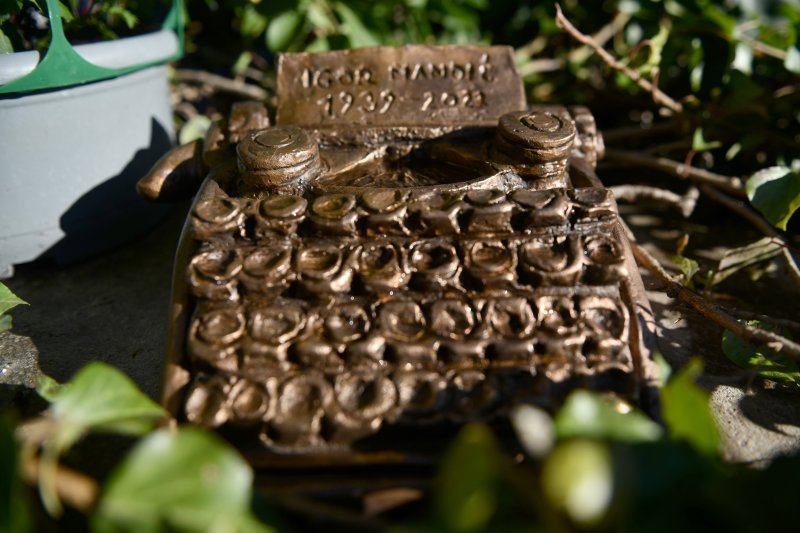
(365, 89)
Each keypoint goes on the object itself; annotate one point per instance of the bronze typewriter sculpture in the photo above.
(410, 245)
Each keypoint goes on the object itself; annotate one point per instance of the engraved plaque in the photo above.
(409, 86)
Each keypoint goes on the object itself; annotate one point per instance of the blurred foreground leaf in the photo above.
(186, 480)
(466, 496)
(686, 410)
(282, 30)
(588, 414)
(578, 479)
(14, 513)
(100, 397)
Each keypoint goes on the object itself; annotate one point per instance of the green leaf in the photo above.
(184, 480)
(5, 43)
(282, 29)
(128, 17)
(689, 267)
(253, 23)
(578, 478)
(772, 364)
(664, 369)
(700, 144)
(195, 128)
(588, 414)
(792, 60)
(66, 12)
(47, 387)
(5, 323)
(736, 259)
(321, 18)
(101, 397)
(775, 192)
(686, 410)
(9, 300)
(465, 497)
(358, 34)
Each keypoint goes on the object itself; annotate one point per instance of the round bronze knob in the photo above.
(548, 135)
(278, 157)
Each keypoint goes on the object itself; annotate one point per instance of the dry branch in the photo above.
(710, 310)
(729, 184)
(220, 83)
(633, 193)
(658, 96)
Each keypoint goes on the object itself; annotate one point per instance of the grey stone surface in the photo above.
(114, 308)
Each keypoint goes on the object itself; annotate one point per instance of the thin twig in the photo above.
(658, 96)
(639, 132)
(633, 193)
(744, 211)
(536, 66)
(712, 311)
(221, 83)
(600, 38)
(732, 185)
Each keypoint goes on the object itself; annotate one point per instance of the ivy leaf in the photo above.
(686, 410)
(688, 267)
(9, 300)
(101, 397)
(253, 23)
(772, 364)
(195, 128)
(792, 60)
(282, 29)
(590, 415)
(736, 259)
(355, 30)
(128, 17)
(775, 192)
(5, 43)
(578, 478)
(466, 499)
(700, 144)
(184, 480)
(66, 12)
(321, 18)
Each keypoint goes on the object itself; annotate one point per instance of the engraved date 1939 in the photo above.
(364, 101)
(368, 102)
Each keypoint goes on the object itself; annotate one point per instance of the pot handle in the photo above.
(63, 66)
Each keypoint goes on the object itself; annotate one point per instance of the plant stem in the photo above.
(658, 96)
(729, 184)
(712, 311)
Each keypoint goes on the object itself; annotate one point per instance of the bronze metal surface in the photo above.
(348, 275)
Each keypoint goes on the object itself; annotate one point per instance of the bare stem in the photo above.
(221, 83)
(729, 184)
(658, 96)
(715, 313)
(634, 193)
